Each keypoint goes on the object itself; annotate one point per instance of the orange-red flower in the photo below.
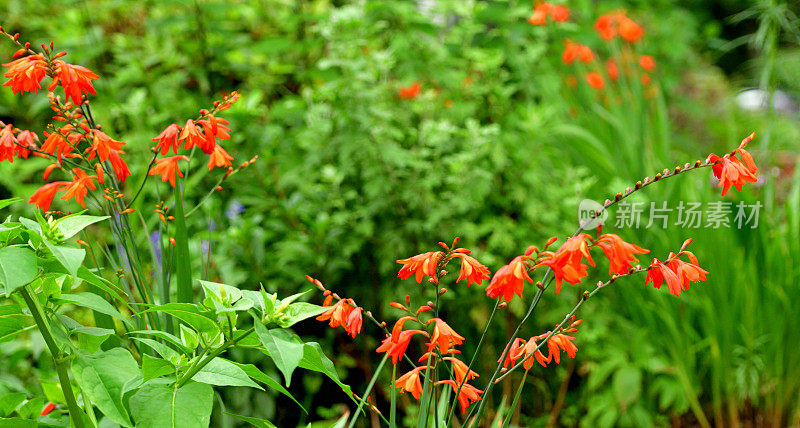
(461, 370)
(610, 25)
(530, 348)
(354, 321)
(471, 269)
(647, 62)
(120, 167)
(219, 158)
(25, 74)
(409, 92)
(338, 314)
(628, 29)
(7, 143)
(573, 51)
(26, 140)
(420, 265)
(443, 336)
(659, 272)
(612, 70)
(509, 280)
(396, 344)
(103, 145)
(467, 396)
(168, 139)
(557, 13)
(686, 272)
(61, 143)
(78, 187)
(620, 254)
(730, 170)
(567, 264)
(167, 167)
(559, 342)
(410, 382)
(514, 353)
(43, 196)
(75, 79)
(191, 136)
(595, 80)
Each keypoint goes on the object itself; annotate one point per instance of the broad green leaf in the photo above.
(299, 311)
(285, 348)
(69, 226)
(627, 385)
(165, 351)
(17, 267)
(262, 377)
(70, 258)
(315, 359)
(12, 321)
(256, 422)
(155, 367)
(232, 293)
(222, 372)
(87, 275)
(32, 225)
(94, 302)
(190, 314)
(102, 376)
(10, 402)
(161, 405)
(90, 338)
(18, 423)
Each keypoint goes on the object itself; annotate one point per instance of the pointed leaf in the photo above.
(161, 405)
(17, 267)
(102, 376)
(285, 348)
(222, 372)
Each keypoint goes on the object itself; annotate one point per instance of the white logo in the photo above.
(587, 210)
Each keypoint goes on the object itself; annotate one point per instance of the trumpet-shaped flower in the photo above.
(79, 186)
(468, 394)
(509, 280)
(43, 197)
(471, 269)
(25, 74)
(410, 382)
(420, 265)
(443, 336)
(620, 254)
(75, 79)
(167, 167)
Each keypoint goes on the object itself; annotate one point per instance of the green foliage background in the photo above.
(497, 149)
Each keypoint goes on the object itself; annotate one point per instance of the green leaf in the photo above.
(69, 226)
(299, 311)
(94, 302)
(17, 267)
(10, 402)
(627, 385)
(155, 367)
(102, 377)
(18, 423)
(6, 202)
(90, 338)
(232, 293)
(165, 351)
(285, 348)
(256, 422)
(70, 258)
(262, 377)
(171, 338)
(12, 321)
(190, 314)
(222, 372)
(161, 405)
(315, 359)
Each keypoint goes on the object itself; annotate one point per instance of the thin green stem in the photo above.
(516, 399)
(75, 412)
(367, 391)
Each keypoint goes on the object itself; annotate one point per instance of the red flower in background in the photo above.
(612, 70)
(396, 344)
(647, 62)
(409, 92)
(573, 51)
(461, 370)
(530, 348)
(468, 394)
(557, 13)
(595, 80)
(25, 74)
(612, 24)
(26, 140)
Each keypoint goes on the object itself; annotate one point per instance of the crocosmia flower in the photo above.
(620, 254)
(420, 265)
(731, 171)
(75, 79)
(167, 167)
(509, 280)
(25, 74)
(471, 269)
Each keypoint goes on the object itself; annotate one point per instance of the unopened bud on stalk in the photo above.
(638, 185)
(443, 245)
(677, 169)
(585, 295)
(539, 285)
(431, 304)
(502, 305)
(408, 300)
(442, 291)
(617, 197)
(442, 272)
